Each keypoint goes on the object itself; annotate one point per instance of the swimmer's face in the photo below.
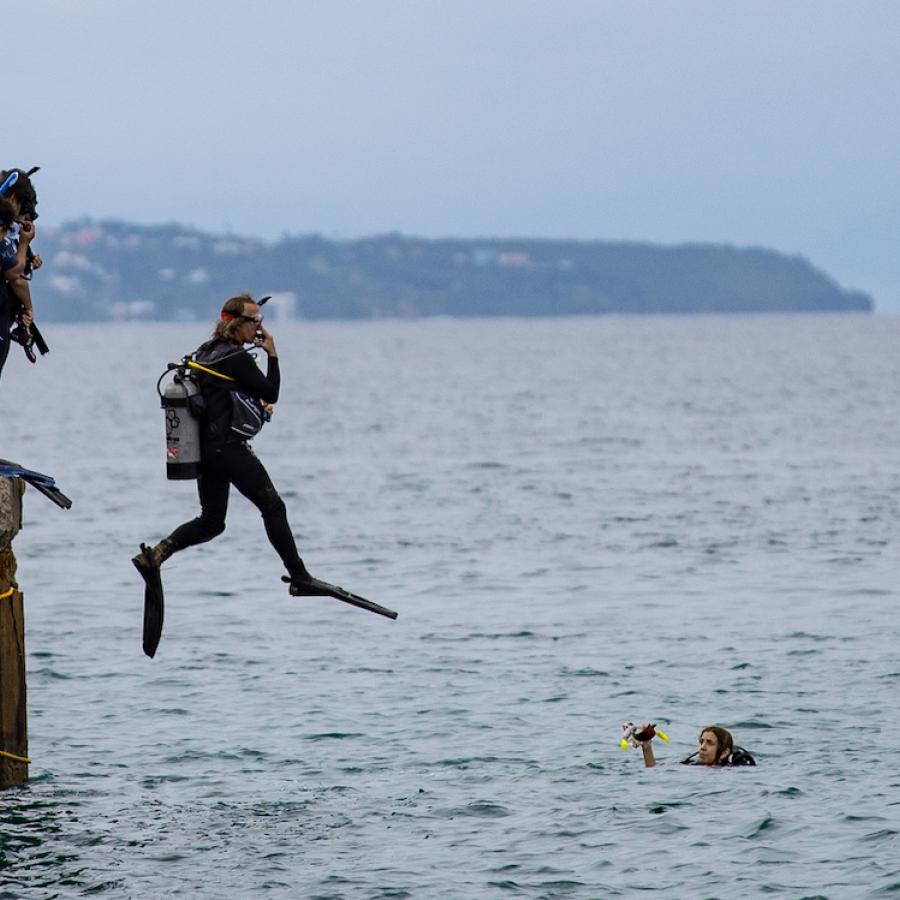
(708, 749)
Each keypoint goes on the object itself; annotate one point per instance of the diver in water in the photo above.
(715, 747)
(225, 457)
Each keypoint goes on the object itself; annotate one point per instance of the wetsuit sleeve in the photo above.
(248, 375)
(274, 374)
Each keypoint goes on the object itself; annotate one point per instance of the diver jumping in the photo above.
(236, 398)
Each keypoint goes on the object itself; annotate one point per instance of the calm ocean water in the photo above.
(581, 522)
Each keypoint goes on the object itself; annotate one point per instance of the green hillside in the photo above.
(115, 270)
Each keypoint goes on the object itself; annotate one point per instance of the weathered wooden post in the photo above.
(13, 712)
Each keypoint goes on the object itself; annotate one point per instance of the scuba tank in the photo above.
(181, 401)
(184, 408)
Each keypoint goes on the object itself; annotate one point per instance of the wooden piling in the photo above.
(13, 709)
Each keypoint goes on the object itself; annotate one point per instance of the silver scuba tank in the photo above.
(182, 427)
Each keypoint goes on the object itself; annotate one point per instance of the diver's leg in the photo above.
(250, 477)
(212, 488)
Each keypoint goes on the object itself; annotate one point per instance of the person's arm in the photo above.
(27, 232)
(647, 750)
(273, 371)
(12, 265)
(22, 292)
(18, 284)
(249, 377)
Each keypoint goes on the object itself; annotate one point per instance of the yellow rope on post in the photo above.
(21, 759)
(8, 593)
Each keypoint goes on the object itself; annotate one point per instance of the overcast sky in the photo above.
(752, 122)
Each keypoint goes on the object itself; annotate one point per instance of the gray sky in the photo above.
(764, 122)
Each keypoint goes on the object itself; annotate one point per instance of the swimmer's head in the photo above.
(714, 746)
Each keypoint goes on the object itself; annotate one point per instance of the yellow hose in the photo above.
(196, 365)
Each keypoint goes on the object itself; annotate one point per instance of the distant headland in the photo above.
(111, 270)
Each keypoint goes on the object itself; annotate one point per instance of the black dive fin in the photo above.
(54, 493)
(316, 588)
(153, 620)
(154, 603)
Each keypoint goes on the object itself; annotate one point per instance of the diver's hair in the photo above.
(233, 307)
(7, 213)
(724, 741)
(23, 191)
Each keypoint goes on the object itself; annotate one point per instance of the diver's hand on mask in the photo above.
(265, 340)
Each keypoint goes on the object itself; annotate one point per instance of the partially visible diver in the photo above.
(715, 747)
(18, 210)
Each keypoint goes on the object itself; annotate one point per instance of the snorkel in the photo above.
(10, 181)
(258, 339)
(635, 735)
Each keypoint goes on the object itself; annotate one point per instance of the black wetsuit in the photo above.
(739, 757)
(225, 458)
(9, 310)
